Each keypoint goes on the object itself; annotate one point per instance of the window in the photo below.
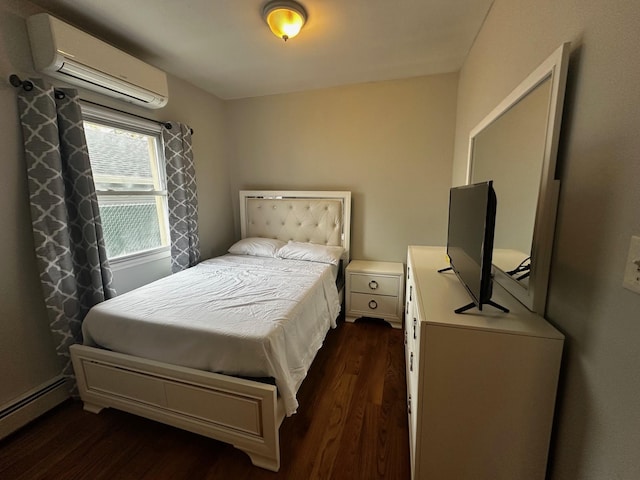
(127, 161)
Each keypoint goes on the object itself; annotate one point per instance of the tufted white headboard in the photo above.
(303, 216)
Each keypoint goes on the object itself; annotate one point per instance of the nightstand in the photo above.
(375, 289)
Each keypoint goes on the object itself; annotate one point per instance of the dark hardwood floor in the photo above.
(351, 424)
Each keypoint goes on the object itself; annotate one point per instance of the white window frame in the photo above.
(105, 116)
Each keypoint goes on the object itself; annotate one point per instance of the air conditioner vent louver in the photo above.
(64, 52)
(99, 79)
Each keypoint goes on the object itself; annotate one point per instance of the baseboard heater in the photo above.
(27, 407)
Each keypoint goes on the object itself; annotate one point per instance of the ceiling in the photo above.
(226, 48)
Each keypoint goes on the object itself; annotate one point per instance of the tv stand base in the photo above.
(490, 302)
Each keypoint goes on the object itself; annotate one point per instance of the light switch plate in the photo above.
(632, 271)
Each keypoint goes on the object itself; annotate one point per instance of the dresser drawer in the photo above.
(376, 284)
(376, 305)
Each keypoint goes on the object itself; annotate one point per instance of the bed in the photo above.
(162, 367)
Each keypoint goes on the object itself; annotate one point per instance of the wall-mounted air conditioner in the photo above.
(62, 51)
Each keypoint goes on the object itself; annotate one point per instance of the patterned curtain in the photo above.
(67, 230)
(182, 197)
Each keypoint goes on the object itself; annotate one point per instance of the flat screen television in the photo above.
(472, 218)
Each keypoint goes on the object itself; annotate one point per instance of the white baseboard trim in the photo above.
(20, 411)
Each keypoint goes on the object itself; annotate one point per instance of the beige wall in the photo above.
(26, 350)
(598, 416)
(390, 143)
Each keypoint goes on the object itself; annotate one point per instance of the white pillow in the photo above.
(256, 246)
(311, 252)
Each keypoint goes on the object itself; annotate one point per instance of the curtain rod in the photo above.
(28, 86)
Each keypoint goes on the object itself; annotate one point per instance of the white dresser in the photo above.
(375, 289)
(481, 386)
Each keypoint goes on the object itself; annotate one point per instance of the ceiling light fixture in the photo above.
(284, 17)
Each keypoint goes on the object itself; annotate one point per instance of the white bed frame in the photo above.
(244, 413)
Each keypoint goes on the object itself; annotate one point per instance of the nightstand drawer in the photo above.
(376, 305)
(376, 284)
(375, 290)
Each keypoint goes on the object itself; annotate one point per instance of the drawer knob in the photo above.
(373, 304)
(373, 285)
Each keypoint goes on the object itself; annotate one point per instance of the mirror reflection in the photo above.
(510, 151)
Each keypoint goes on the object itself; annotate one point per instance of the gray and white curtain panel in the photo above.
(182, 196)
(67, 230)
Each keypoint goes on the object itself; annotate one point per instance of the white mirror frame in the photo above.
(534, 297)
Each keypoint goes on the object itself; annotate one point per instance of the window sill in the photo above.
(140, 258)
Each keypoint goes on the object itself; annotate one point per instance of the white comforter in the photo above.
(236, 315)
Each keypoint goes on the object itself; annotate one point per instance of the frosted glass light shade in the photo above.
(285, 18)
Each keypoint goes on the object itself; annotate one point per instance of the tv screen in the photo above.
(472, 215)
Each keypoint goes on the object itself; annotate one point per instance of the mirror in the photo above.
(516, 147)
